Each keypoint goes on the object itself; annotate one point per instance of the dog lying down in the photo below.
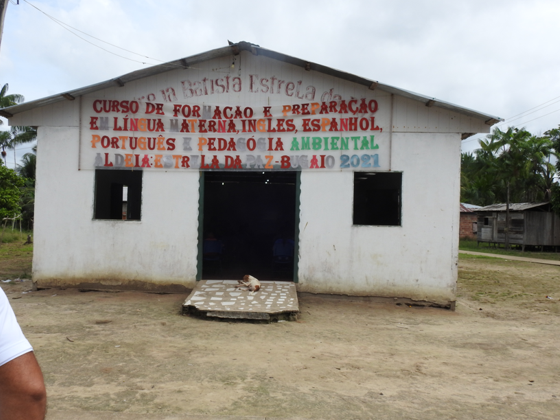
(251, 283)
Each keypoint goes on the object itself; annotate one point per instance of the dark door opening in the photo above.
(249, 225)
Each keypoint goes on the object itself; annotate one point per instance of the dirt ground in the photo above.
(496, 357)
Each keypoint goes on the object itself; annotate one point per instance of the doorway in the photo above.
(248, 225)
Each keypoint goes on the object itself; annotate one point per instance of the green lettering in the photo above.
(355, 140)
(373, 146)
(305, 143)
(344, 143)
(334, 143)
(295, 144)
(326, 143)
(317, 143)
(365, 143)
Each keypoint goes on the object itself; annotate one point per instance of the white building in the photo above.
(248, 146)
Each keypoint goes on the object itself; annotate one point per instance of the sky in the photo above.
(499, 57)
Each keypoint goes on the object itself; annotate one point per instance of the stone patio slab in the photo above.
(221, 299)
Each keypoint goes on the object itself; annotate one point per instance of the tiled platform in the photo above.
(277, 300)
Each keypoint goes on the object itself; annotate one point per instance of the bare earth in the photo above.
(496, 357)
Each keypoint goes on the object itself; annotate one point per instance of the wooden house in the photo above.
(531, 224)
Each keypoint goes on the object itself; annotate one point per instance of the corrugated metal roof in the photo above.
(236, 49)
(468, 208)
(512, 206)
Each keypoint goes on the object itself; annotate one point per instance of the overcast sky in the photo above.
(499, 57)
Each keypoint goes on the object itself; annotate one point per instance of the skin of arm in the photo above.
(22, 389)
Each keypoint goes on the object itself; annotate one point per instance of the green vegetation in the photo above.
(470, 245)
(15, 260)
(497, 280)
(510, 166)
(17, 187)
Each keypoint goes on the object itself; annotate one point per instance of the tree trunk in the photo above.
(506, 229)
(3, 8)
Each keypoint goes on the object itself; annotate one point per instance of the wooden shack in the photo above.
(530, 224)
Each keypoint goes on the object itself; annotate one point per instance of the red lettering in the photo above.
(150, 108)
(238, 113)
(96, 106)
(176, 109)
(285, 162)
(93, 123)
(316, 124)
(107, 163)
(248, 112)
(279, 144)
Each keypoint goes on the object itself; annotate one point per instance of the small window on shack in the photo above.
(118, 194)
(377, 198)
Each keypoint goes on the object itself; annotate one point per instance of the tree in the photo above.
(27, 198)
(9, 100)
(29, 163)
(10, 184)
(14, 137)
(554, 136)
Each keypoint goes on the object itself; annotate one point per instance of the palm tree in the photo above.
(540, 171)
(9, 100)
(511, 148)
(29, 163)
(27, 198)
(14, 137)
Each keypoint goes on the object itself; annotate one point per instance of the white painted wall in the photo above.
(417, 260)
(71, 247)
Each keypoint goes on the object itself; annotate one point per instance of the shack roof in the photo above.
(513, 206)
(236, 48)
(468, 208)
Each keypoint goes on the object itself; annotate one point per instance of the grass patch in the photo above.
(470, 245)
(9, 236)
(496, 280)
(15, 260)
(476, 257)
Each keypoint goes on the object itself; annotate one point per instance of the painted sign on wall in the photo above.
(341, 134)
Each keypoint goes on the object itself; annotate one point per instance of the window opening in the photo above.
(377, 198)
(118, 194)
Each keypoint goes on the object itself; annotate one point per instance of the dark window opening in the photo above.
(486, 221)
(377, 198)
(118, 194)
(249, 225)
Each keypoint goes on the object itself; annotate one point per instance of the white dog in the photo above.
(251, 283)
